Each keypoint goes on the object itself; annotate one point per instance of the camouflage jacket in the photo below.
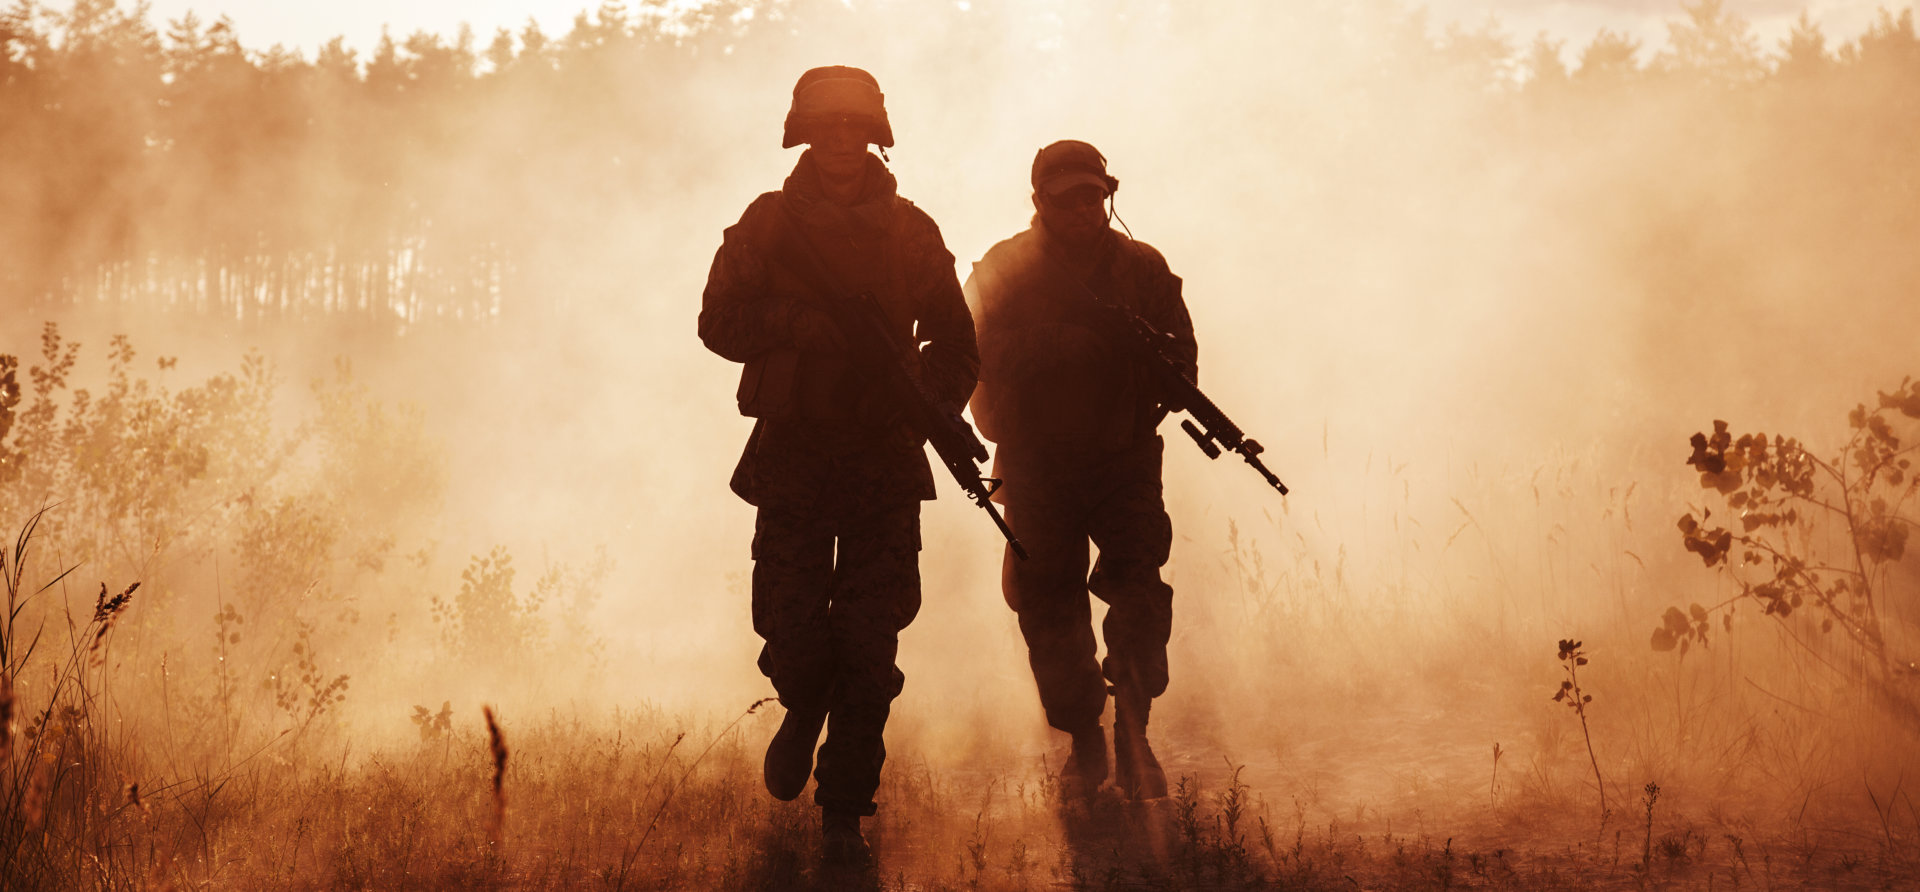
(1056, 385)
(836, 443)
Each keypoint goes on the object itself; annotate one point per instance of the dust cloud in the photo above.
(1473, 292)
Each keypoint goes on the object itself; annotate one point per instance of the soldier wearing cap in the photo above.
(836, 478)
(1074, 415)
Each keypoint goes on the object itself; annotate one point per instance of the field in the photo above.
(1384, 719)
(364, 482)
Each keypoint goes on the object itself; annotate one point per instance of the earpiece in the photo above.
(1113, 182)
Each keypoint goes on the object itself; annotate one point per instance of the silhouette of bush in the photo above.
(1813, 542)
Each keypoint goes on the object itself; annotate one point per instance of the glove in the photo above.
(814, 331)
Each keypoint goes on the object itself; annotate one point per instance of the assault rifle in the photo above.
(877, 352)
(1154, 345)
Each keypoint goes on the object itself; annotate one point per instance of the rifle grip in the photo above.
(1205, 443)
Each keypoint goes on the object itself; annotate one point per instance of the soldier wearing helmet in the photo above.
(836, 478)
(1074, 414)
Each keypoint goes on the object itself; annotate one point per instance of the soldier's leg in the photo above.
(1048, 591)
(792, 582)
(1134, 536)
(876, 593)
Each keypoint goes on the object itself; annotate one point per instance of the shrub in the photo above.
(1813, 542)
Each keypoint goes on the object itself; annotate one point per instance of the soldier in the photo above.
(1074, 412)
(836, 477)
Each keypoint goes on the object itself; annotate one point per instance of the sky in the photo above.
(263, 23)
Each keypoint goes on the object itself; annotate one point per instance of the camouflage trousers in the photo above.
(830, 596)
(1115, 505)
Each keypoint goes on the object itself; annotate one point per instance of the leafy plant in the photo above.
(9, 401)
(306, 692)
(489, 625)
(226, 680)
(1570, 693)
(1810, 535)
(434, 726)
(152, 479)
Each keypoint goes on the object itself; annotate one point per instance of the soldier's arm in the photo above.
(982, 291)
(950, 357)
(739, 318)
(1166, 310)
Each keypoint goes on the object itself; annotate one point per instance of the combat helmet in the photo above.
(837, 92)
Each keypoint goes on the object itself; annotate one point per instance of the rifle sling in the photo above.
(802, 258)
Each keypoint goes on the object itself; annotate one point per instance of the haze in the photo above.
(1474, 306)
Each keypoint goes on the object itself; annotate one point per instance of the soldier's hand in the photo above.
(815, 332)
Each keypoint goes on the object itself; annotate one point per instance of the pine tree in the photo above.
(1609, 59)
(1804, 51)
(1712, 45)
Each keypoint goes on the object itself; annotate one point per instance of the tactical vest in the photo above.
(787, 382)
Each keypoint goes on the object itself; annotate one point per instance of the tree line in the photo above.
(169, 165)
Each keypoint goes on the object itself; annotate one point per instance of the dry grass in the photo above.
(1338, 679)
(589, 812)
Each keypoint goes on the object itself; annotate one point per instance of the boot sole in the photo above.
(785, 773)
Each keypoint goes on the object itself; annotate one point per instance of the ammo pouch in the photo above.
(787, 383)
(767, 384)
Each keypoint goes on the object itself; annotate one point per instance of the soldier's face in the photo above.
(840, 149)
(1076, 216)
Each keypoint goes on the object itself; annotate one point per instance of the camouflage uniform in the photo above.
(837, 479)
(1074, 415)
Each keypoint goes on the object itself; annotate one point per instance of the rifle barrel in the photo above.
(1013, 542)
(1253, 458)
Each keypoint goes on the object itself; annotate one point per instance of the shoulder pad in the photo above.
(757, 222)
(1142, 253)
(910, 215)
(1017, 248)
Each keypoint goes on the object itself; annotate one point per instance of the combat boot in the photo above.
(790, 755)
(841, 844)
(1136, 772)
(1086, 767)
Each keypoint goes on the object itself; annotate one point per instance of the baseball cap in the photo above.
(1069, 163)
